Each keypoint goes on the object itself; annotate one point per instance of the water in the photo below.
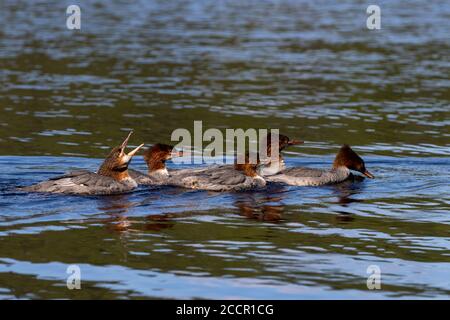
(312, 70)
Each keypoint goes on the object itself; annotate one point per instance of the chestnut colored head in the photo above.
(157, 155)
(348, 158)
(116, 163)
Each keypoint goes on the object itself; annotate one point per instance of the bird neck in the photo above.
(117, 173)
(156, 166)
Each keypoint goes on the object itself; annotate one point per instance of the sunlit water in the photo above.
(285, 242)
(313, 70)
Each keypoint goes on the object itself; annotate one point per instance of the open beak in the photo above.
(125, 142)
(368, 174)
(295, 142)
(134, 151)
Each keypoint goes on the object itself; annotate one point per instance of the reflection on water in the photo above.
(263, 206)
(311, 69)
(289, 242)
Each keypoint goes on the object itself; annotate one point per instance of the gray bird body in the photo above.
(302, 176)
(84, 183)
(216, 178)
(144, 179)
(345, 160)
(160, 177)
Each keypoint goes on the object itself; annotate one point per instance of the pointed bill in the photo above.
(295, 142)
(125, 142)
(134, 151)
(368, 175)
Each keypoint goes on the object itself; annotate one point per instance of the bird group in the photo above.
(114, 175)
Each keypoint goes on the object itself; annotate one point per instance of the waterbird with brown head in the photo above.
(348, 158)
(156, 157)
(345, 161)
(111, 178)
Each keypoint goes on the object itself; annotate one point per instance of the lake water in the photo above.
(311, 69)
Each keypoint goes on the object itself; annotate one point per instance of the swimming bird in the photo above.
(345, 160)
(220, 178)
(274, 166)
(111, 178)
(155, 158)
